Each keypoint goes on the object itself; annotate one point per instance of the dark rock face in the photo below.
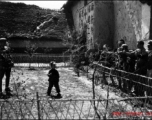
(146, 2)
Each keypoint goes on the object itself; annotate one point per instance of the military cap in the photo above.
(141, 42)
(124, 45)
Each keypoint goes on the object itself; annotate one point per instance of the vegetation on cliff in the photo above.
(21, 20)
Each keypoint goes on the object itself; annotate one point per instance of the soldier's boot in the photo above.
(125, 87)
(2, 96)
(8, 92)
(119, 84)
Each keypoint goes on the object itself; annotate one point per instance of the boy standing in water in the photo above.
(53, 80)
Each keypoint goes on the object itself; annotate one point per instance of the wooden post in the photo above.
(38, 57)
(107, 103)
(64, 59)
(111, 77)
(38, 106)
(87, 70)
(93, 90)
(93, 86)
(1, 112)
(104, 77)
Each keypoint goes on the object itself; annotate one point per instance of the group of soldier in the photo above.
(138, 61)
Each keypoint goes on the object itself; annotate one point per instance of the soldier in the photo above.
(107, 56)
(123, 63)
(5, 66)
(140, 66)
(131, 59)
(149, 68)
(120, 61)
(123, 56)
(149, 63)
(142, 57)
(120, 42)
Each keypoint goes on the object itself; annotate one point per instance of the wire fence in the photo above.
(124, 80)
(46, 108)
(39, 58)
(41, 65)
(42, 107)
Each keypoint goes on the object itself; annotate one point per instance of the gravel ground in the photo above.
(26, 83)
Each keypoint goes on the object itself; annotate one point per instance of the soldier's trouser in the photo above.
(5, 72)
(130, 78)
(139, 88)
(119, 80)
(55, 84)
(130, 85)
(119, 77)
(124, 85)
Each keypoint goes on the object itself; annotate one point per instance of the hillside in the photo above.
(30, 21)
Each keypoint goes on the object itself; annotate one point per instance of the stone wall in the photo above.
(103, 23)
(109, 22)
(75, 11)
(127, 22)
(83, 16)
(132, 21)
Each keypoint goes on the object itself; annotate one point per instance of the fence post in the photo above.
(64, 59)
(38, 57)
(93, 91)
(1, 112)
(70, 59)
(38, 106)
(87, 70)
(104, 77)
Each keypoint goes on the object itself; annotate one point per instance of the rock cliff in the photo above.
(30, 21)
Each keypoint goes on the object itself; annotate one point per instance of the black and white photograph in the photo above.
(75, 59)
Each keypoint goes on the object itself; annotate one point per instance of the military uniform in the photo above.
(131, 59)
(123, 63)
(5, 69)
(142, 58)
(149, 69)
(141, 69)
(149, 64)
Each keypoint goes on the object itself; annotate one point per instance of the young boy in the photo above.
(53, 80)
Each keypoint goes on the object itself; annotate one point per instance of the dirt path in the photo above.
(72, 87)
(36, 80)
